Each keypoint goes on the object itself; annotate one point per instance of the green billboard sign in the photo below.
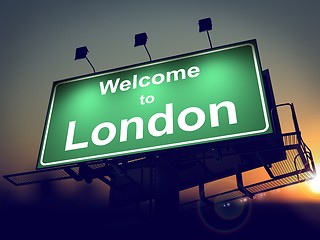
(202, 97)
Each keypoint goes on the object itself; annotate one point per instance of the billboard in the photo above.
(206, 96)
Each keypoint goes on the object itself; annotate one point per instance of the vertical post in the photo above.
(91, 65)
(166, 190)
(209, 39)
(240, 184)
(145, 47)
(202, 193)
(295, 121)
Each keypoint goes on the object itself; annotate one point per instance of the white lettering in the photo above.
(167, 116)
(163, 120)
(156, 79)
(113, 88)
(176, 75)
(201, 117)
(214, 115)
(142, 100)
(158, 75)
(70, 136)
(124, 128)
(125, 85)
(149, 99)
(95, 134)
(141, 84)
(134, 81)
(193, 72)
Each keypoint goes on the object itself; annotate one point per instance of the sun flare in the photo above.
(314, 184)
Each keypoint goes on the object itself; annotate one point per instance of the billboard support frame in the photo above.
(302, 165)
(240, 185)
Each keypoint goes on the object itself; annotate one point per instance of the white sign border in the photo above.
(165, 146)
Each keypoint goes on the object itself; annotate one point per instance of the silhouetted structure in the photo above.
(140, 39)
(158, 177)
(81, 53)
(205, 25)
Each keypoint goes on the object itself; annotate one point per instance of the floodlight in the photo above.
(81, 53)
(140, 39)
(205, 25)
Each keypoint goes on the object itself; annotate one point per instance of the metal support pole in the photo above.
(241, 187)
(202, 193)
(209, 39)
(145, 47)
(166, 190)
(91, 65)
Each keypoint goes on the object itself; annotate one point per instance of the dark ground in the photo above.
(61, 219)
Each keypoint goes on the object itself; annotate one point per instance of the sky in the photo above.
(38, 40)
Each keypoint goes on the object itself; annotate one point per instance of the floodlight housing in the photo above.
(140, 39)
(205, 24)
(81, 53)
